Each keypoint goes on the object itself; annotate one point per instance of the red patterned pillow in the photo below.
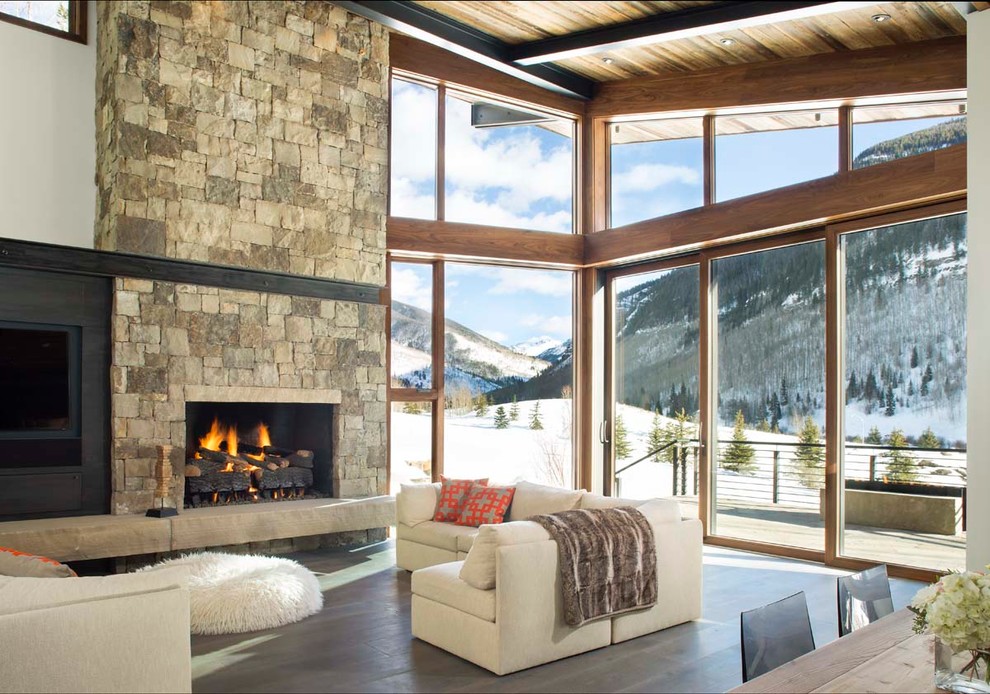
(453, 494)
(14, 563)
(486, 505)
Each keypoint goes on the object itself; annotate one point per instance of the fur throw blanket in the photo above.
(608, 561)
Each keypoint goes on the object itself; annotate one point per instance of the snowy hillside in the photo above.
(536, 346)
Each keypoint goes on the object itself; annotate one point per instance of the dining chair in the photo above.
(775, 634)
(863, 598)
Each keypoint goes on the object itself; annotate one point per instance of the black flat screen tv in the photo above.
(39, 380)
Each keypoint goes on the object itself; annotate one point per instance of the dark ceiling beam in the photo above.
(436, 29)
(668, 26)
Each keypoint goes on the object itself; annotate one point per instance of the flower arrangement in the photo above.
(956, 610)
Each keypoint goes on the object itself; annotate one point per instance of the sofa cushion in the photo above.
(599, 501)
(478, 569)
(14, 563)
(486, 505)
(416, 503)
(442, 584)
(533, 499)
(661, 511)
(442, 535)
(25, 594)
(453, 496)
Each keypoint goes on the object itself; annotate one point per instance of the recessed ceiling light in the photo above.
(607, 61)
(727, 41)
(880, 18)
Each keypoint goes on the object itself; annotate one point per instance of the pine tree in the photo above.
(852, 390)
(874, 437)
(809, 460)
(914, 357)
(501, 418)
(739, 456)
(410, 408)
(929, 439)
(659, 437)
(775, 413)
(889, 405)
(535, 423)
(514, 409)
(784, 398)
(481, 405)
(900, 467)
(763, 426)
(622, 447)
(871, 389)
(927, 378)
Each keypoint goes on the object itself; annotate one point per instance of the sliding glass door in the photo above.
(768, 396)
(904, 380)
(656, 385)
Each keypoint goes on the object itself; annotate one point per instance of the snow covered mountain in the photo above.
(536, 346)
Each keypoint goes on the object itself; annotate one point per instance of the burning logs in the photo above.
(216, 477)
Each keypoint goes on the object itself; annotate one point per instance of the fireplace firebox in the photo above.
(239, 452)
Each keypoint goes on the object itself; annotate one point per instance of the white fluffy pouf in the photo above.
(232, 593)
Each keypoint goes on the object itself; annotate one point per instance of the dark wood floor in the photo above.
(360, 642)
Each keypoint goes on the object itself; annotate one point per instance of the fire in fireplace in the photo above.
(234, 458)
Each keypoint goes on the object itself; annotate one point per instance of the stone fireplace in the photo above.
(251, 136)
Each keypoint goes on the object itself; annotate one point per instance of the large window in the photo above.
(499, 164)
(884, 133)
(904, 356)
(656, 383)
(503, 398)
(413, 191)
(754, 153)
(769, 385)
(657, 168)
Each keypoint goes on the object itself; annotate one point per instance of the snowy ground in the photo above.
(474, 448)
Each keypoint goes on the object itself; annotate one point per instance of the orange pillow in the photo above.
(24, 565)
(453, 494)
(486, 506)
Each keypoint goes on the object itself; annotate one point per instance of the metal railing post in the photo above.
(776, 475)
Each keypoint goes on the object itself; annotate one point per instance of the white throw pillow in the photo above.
(478, 569)
(417, 503)
(533, 499)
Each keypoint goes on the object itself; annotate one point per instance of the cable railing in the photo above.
(791, 473)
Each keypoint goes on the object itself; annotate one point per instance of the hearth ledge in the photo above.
(99, 537)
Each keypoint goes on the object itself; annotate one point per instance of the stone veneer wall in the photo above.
(170, 339)
(249, 134)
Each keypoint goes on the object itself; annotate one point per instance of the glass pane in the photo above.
(884, 133)
(412, 326)
(770, 383)
(754, 153)
(905, 394)
(656, 384)
(508, 374)
(519, 176)
(657, 168)
(411, 444)
(412, 192)
(46, 12)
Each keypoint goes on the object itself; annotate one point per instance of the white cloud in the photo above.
(410, 287)
(643, 178)
(557, 326)
(546, 282)
(414, 132)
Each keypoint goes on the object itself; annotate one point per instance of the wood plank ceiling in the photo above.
(521, 21)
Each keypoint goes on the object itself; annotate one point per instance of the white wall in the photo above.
(978, 439)
(47, 136)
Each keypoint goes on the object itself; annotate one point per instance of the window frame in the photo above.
(78, 23)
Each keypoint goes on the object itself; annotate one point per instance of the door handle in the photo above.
(603, 432)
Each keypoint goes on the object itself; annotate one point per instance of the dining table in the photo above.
(885, 656)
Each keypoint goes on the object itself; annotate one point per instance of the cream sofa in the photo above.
(512, 618)
(127, 633)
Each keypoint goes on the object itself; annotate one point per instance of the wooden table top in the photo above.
(886, 656)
